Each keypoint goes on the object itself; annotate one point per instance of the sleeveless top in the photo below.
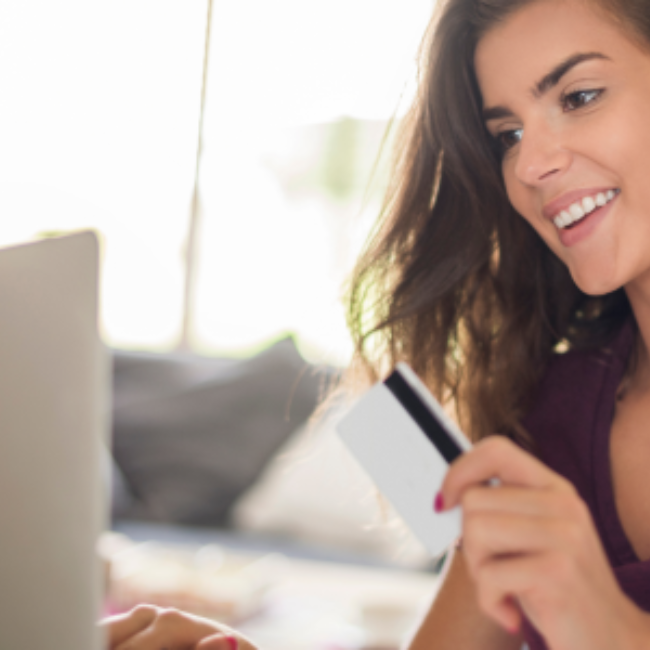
(570, 423)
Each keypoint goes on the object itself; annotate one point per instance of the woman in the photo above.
(519, 228)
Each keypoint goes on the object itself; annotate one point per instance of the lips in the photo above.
(582, 228)
(563, 203)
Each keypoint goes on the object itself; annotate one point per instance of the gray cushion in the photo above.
(191, 433)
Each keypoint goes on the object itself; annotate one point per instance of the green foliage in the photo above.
(339, 162)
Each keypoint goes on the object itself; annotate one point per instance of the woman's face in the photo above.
(567, 95)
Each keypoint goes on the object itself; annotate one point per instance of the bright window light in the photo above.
(99, 125)
(98, 128)
(299, 97)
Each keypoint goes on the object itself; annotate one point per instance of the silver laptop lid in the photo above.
(53, 386)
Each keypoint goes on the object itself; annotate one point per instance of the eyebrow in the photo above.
(547, 82)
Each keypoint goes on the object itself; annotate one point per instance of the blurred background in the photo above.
(227, 153)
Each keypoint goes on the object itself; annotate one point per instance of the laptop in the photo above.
(53, 408)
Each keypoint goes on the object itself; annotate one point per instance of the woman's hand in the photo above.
(531, 546)
(152, 628)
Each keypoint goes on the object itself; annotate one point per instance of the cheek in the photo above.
(626, 153)
(522, 200)
(516, 192)
(520, 197)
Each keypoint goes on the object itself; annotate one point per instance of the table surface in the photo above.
(281, 601)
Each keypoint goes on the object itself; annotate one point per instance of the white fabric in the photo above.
(314, 491)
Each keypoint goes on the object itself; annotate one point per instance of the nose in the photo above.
(542, 154)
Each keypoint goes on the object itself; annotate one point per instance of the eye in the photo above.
(580, 98)
(505, 140)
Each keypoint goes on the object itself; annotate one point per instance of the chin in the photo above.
(595, 284)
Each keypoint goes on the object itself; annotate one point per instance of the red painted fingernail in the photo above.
(439, 503)
(233, 642)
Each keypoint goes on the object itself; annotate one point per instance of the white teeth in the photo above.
(588, 204)
(576, 211)
(580, 209)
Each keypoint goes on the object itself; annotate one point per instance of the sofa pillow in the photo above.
(190, 434)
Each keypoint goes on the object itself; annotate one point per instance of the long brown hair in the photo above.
(454, 281)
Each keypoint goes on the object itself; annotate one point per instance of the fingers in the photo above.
(218, 642)
(497, 581)
(152, 628)
(572, 606)
(505, 612)
(497, 457)
(145, 640)
(507, 520)
(122, 627)
(505, 534)
(531, 547)
(171, 630)
(518, 501)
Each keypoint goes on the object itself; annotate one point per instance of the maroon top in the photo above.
(570, 423)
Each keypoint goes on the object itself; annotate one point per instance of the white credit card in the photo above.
(402, 437)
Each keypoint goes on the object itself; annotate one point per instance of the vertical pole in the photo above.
(191, 243)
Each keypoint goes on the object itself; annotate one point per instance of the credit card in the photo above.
(404, 440)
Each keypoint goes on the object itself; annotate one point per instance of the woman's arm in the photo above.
(456, 621)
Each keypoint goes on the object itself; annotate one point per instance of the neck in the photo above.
(638, 294)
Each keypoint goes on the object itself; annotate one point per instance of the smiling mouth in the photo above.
(580, 210)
